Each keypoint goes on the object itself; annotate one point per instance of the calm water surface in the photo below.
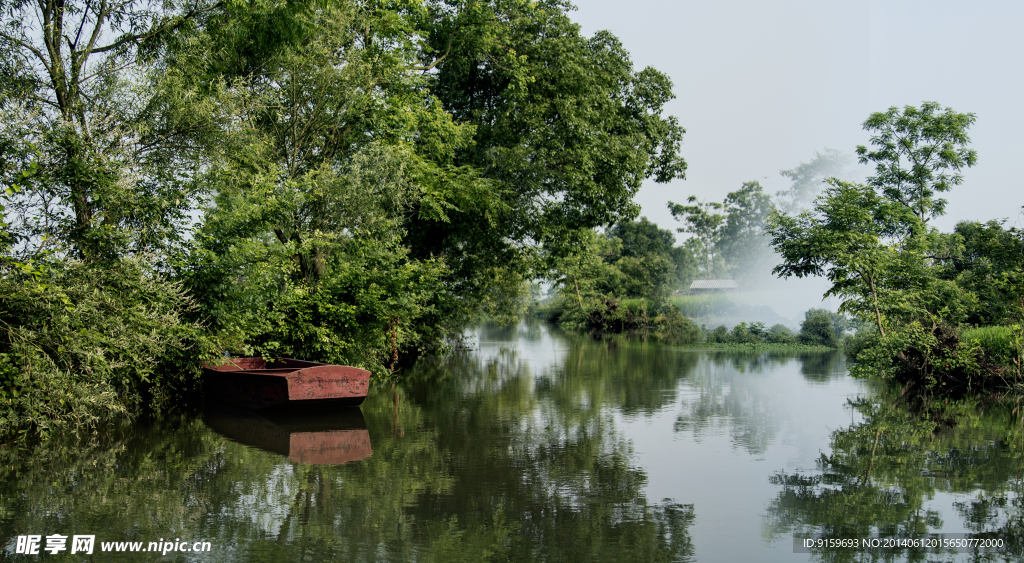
(536, 446)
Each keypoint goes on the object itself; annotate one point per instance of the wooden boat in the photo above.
(258, 384)
(309, 436)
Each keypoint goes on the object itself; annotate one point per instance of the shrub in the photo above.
(720, 335)
(81, 343)
(817, 330)
(614, 316)
(780, 334)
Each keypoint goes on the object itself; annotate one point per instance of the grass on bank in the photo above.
(1001, 345)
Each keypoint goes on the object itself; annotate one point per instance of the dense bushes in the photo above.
(628, 315)
(83, 342)
(956, 332)
(621, 281)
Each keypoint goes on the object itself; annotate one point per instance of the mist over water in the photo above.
(789, 298)
(763, 296)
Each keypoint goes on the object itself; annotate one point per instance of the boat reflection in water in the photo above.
(326, 436)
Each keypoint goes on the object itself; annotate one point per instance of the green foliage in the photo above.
(987, 260)
(845, 239)
(917, 153)
(733, 242)
(627, 315)
(781, 334)
(756, 334)
(81, 343)
(621, 281)
(1000, 345)
(366, 290)
(75, 100)
(346, 182)
(304, 252)
(563, 123)
(743, 242)
(929, 361)
(840, 322)
(645, 253)
(702, 220)
(817, 329)
(914, 284)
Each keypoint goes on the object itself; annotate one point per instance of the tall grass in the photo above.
(1002, 345)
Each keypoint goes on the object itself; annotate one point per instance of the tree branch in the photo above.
(28, 47)
(175, 24)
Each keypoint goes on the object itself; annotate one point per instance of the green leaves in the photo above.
(701, 220)
(918, 152)
(564, 126)
(850, 237)
(81, 343)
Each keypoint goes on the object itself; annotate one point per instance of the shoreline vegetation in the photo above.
(821, 329)
(941, 314)
(344, 181)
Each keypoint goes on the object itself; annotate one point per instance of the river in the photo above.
(533, 445)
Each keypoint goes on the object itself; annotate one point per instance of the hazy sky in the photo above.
(761, 84)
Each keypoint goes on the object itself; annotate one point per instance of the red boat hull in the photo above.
(310, 436)
(257, 384)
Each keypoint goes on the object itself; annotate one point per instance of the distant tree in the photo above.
(840, 322)
(640, 238)
(720, 335)
(809, 177)
(743, 241)
(817, 329)
(780, 334)
(644, 240)
(702, 220)
(686, 266)
(918, 152)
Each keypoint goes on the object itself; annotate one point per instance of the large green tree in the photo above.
(565, 127)
(76, 100)
(339, 145)
(845, 239)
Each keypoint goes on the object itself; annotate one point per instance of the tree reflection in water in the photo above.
(881, 474)
(472, 460)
